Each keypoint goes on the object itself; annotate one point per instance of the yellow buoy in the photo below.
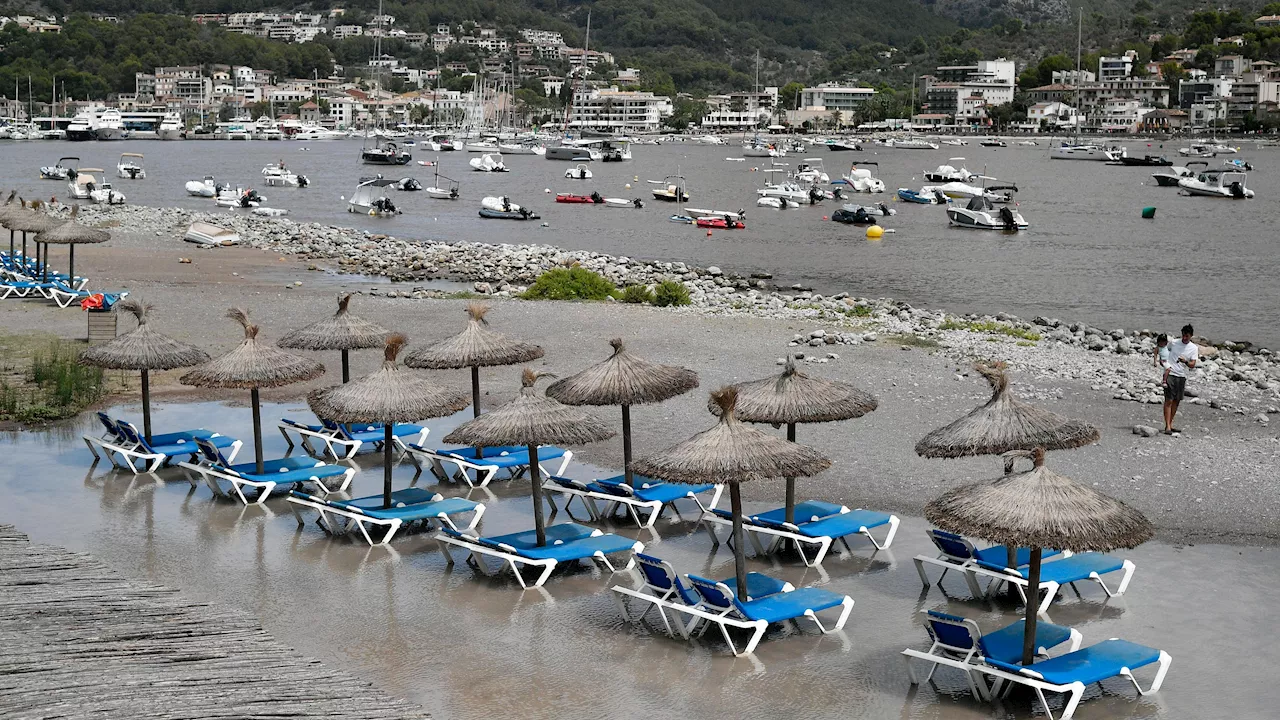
(875, 232)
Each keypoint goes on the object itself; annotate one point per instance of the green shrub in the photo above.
(637, 294)
(55, 386)
(670, 292)
(989, 326)
(574, 283)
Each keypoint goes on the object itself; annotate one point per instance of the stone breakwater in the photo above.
(1233, 375)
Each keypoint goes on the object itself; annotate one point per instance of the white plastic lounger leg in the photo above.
(1128, 569)
(846, 607)
(1050, 590)
(888, 538)
(756, 636)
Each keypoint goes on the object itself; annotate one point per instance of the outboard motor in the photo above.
(303, 181)
(838, 193)
(884, 210)
(937, 195)
(1237, 190)
(525, 213)
(862, 217)
(221, 188)
(595, 197)
(814, 195)
(638, 203)
(1007, 216)
(506, 204)
(91, 186)
(453, 193)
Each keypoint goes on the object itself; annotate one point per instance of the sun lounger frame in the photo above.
(211, 474)
(511, 559)
(333, 440)
(630, 501)
(777, 536)
(484, 472)
(725, 618)
(354, 518)
(131, 454)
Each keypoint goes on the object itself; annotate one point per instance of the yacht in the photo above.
(1217, 183)
(912, 144)
(110, 125)
(170, 127)
(83, 125)
(265, 128)
(386, 153)
(1067, 151)
(980, 214)
(570, 150)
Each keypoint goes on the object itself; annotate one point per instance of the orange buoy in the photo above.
(708, 233)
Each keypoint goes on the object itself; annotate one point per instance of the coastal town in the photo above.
(488, 76)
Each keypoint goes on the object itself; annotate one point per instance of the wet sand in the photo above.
(461, 646)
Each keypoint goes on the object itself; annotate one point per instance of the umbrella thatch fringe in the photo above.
(623, 379)
(1040, 508)
(531, 419)
(252, 364)
(343, 331)
(390, 394)
(731, 452)
(29, 220)
(475, 346)
(142, 348)
(1004, 423)
(795, 397)
(73, 233)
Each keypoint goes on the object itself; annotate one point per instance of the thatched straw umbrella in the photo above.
(475, 347)
(1004, 423)
(626, 380)
(794, 397)
(144, 349)
(1037, 509)
(388, 395)
(733, 453)
(27, 220)
(70, 233)
(343, 331)
(5, 211)
(253, 365)
(531, 419)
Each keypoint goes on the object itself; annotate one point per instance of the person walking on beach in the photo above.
(1183, 356)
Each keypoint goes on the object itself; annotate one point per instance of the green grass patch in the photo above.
(913, 341)
(670, 293)
(574, 283)
(53, 386)
(635, 294)
(990, 327)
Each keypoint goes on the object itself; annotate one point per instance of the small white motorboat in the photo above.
(1217, 183)
(1027, 143)
(955, 142)
(1169, 176)
(239, 198)
(499, 204)
(911, 144)
(104, 194)
(671, 189)
(83, 184)
(64, 169)
(279, 176)
(489, 162)
(949, 172)
(206, 188)
(811, 171)
(623, 203)
(861, 179)
(726, 214)
(578, 172)
(778, 203)
(203, 233)
(370, 198)
(130, 166)
(980, 214)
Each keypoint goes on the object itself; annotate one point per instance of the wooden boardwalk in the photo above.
(79, 641)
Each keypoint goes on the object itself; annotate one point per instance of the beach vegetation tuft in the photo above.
(636, 294)
(670, 293)
(576, 283)
(989, 327)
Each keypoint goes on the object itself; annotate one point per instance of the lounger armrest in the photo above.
(1015, 669)
(294, 423)
(997, 568)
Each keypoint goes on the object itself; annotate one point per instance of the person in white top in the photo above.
(1183, 357)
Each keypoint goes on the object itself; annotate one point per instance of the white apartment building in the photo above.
(1118, 67)
(832, 97)
(542, 37)
(341, 32)
(489, 45)
(1073, 77)
(739, 111)
(619, 110)
(1119, 115)
(1052, 114)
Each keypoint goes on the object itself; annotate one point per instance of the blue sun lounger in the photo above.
(408, 506)
(477, 472)
(1067, 571)
(955, 552)
(664, 590)
(343, 441)
(566, 542)
(818, 525)
(1071, 673)
(284, 474)
(140, 456)
(645, 494)
(725, 610)
(959, 643)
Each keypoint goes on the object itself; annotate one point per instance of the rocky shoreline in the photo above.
(1234, 376)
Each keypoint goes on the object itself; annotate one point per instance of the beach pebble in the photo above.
(819, 333)
(1145, 431)
(714, 271)
(1262, 418)
(184, 261)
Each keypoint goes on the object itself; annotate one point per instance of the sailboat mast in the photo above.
(1075, 84)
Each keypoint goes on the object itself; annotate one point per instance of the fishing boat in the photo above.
(949, 173)
(104, 194)
(64, 169)
(980, 214)
(278, 175)
(130, 167)
(1170, 176)
(671, 189)
(370, 198)
(578, 172)
(1217, 183)
(593, 199)
(83, 183)
(1146, 161)
(861, 179)
(923, 196)
(489, 162)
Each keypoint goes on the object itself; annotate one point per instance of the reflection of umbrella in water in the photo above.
(27, 220)
(475, 347)
(1004, 423)
(531, 419)
(70, 233)
(253, 365)
(626, 380)
(343, 331)
(1037, 509)
(794, 397)
(388, 395)
(733, 453)
(144, 348)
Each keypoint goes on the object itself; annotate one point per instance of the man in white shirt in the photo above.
(1183, 356)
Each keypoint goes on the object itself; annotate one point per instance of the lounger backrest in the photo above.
(952, 545)
(210, 452)
(660, 576)
(717, 595)
(110, 425)
(132, 435)
(333, 427)
(951, 631)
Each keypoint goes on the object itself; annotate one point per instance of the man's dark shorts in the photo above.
(1175, 388)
